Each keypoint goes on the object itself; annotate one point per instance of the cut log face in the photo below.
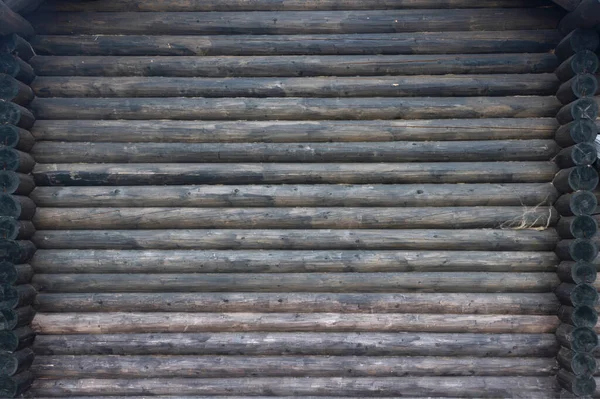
(577, 203)
(578, 131)
(584, 61)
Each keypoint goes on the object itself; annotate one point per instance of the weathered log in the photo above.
(568, 5)
(16, 251)
(382, 86)
(442, 303)
(277, 343)
(9, 297)
(280, 173)
(14, 386)
(26, 293)
(25, 316)
(576, 41)
(172, 322)
(575, 179)
(479, 239)
(17, 206)
(580, 226)
(13, 90)
(9, 318)
(299, 66)
(582, 85)
(310, 282)
(16, 339)
(305, 195)
(14, 114)
(294, 108)
(161, 131)
(12, 229)
(24, 274)
(23, 6)
(531, 41)
(584, 108)
(580, 316)
(8, 273)
(17, 68)
(432, 151)
(578, 131)
(16, 183)
(307, 218)
(577, 294)
(12, 363)
(11, 22)
(288, 366)
(285, 261)
(584, 61)
(586, 15)
(580, 385)
(15, 44)
(578, 363)
(14, 137)
(577, 203)
(577, 272)
(577, 155)
(15, 160)
(578, 249)
(578, 339)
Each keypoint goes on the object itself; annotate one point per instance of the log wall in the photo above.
(308, 198)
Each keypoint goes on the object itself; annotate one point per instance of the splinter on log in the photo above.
(580, 226)
(579, 272)
(585, 61)
(581, 316)
(584, 108)
(578, 249)
(577, 294)
(575, 179)
(582, 85)
(578, 131)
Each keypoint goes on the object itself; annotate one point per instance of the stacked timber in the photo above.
(577, 227)
(16, 208)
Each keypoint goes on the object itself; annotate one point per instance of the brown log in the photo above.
(114, 323)
(578, 131)
(14, 137)
(14, 114)
(575, 179)
(15, 160)
(576, 272)
(578, 363)
(576, 41)
(16, 183)
(17, 206)
(531, 41)
(584, 61)
(12, 363)
(578, 249)
(15, 44)
(580, 86)
(16, 339)
(580, 316)
(584, 108)
(581, 226)
(582, 385)
(11, 22)
(578, 339)
(577, 295)
(577, 155)
(481, 239)
(586, 15)
(285, 261)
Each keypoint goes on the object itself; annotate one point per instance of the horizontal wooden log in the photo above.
(586, 15)
(584, 108)
(584, 61)
(576, 41)
(301, 66)
(577, 203)
(24, 274)
(14, 137)
(294, 108)
(16, 45)
(307, 282)
(288, 366)
(25, 316)
(578, 339)
(482, 239)
(580, 86)
(26, 294)
(15, 160)
(578, 131)
(580, 316)
(112, 323)
(581, 226)
(578, 363)
(577, 155)
(303, 131)
(12, 229)
(525, 387)
(260, 261)
(306, 218)
(577, 294)
(16, 251)
(17, 206)
(17, 68)
(14, 114)
(383, 86)
(521, 303)
(432, 151)
(531, 41)
(18, 339)
(318, 173)
(582, 385)
(576, 178)
(578, 249)
(576, 272)
(11, 22)
(16, 183)
(16, 385)
(15, 362)
(14, 90)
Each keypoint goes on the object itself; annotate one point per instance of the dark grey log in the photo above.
(577, 155)
(15, 160)
(15, 114)
(577, 272)
(25, 315)
(580, 316)
(23, 6)
(12, 229)
(15, 44)
(9, 318)
(11, 22)
(24, 274)
(27, 294)
(578, 339)
(8, 273)
(577, 294)
(580, 226)
(576, 41)
(14, 137)
(13, 90)
(531, 41)
(17, 339)
(578, 249)
(582, 85)
(578, 131)
(580, 385)
(578, 363)
(13, 386)
(12, 363)
(17, 68)
(16, 251)
(584, 61)
(16, 183)
(575, 179)
(568, 5)
(584, 108)
(586, 15)
(9, 297)
(17, 206)
(577, 203)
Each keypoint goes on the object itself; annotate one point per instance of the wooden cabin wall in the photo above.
(296, 198)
